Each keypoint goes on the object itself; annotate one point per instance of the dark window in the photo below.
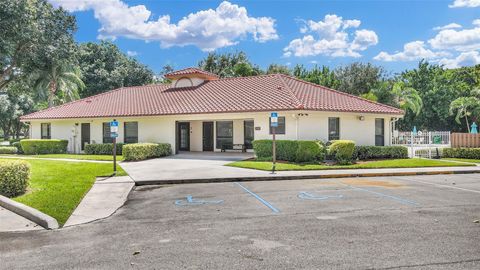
(333, 128)
(281, 125)
(130, 132)
(46, 131)
(224, 134)
(248, 135)
(106, 133)
(379, 132)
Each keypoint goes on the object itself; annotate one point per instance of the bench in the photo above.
(235, 147)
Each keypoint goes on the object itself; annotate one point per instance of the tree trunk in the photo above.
(51, 94)
(468, 126)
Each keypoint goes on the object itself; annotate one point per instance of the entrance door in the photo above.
(85, 135)
(207, 136)
(184, 136)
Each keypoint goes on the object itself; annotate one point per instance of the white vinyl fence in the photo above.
(422, 144)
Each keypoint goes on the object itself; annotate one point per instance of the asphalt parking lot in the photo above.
(416, 222)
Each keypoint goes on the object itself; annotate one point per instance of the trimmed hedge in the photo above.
(44, 146)
(142, 151)
(342, 151)
(102, 149)
(18, 145)
(379, 152)
(292, 151)
(470, 153)
(8, 150)
(14, 176)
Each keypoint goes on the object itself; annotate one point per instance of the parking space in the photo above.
(415, 222)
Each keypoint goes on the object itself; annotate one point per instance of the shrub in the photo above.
(470, 153)
(14, 175)
(8, 150)
(44, 146)
(289, 150)
(342, 151)
(376, 152)
(308, 151)
(142, 151)
(102, 149)
(18, 145)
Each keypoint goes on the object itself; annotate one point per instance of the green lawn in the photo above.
(464, 160)
(393, 163)
(73, 156)
(57, 187)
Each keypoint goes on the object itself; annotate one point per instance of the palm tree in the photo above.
(407, 97)
(464, 107)
(58, 77)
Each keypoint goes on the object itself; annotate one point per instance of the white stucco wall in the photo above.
(309, 126)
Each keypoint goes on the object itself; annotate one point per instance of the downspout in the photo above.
(296, 125)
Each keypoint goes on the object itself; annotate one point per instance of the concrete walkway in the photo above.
(11, 222)
(201, 167)
(103, 199)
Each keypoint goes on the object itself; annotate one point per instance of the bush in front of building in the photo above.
(380, 152)
(103, 149)
(469, 153)
(289, 150)
(14, 176)
(142, 151)
(342, 151)
(44, 146)
(18, 145)
(8, 150)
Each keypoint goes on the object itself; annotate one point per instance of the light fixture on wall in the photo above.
(361, 118)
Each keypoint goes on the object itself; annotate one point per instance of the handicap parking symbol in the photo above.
(309, 196)
(191, 201)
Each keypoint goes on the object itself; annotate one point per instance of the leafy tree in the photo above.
(370, 96)
(59, 78)
(229, 65)
(14, 102)
(104, 67)
(407, 98)
(34, 34)
(463, 107)
(280, 69)
(358, 78)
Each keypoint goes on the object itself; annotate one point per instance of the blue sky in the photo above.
(394, 34)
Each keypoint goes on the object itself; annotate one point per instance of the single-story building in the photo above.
(199, 111)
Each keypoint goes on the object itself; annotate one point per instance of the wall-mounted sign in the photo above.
(258, 128)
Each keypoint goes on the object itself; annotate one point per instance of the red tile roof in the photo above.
(190, 71)
(274, 92)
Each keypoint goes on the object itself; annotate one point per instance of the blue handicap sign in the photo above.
(191, 201)
(273, 114)
(114, 123)
(274, 119)
(309, 196)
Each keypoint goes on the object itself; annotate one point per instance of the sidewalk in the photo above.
(103, 199)
(255, 175)
(11, 222)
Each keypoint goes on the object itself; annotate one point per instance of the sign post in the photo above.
(114, 135)
(274, 125)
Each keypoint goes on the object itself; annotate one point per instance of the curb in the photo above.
(295, 177)
(29, 213)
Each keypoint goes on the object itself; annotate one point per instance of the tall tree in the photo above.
(15, 102)
(58, 79)
(229, 65)
(33, 34)
(359, 78)
(276, 68)
(407, 97)
(464, 107)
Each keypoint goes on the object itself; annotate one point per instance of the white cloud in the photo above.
(465, 3)
(464, 59)
(476, 22)
(460, 40)
(448, 26)
(207, 29)
(412, 51)
(332, 38)
(132, 53)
